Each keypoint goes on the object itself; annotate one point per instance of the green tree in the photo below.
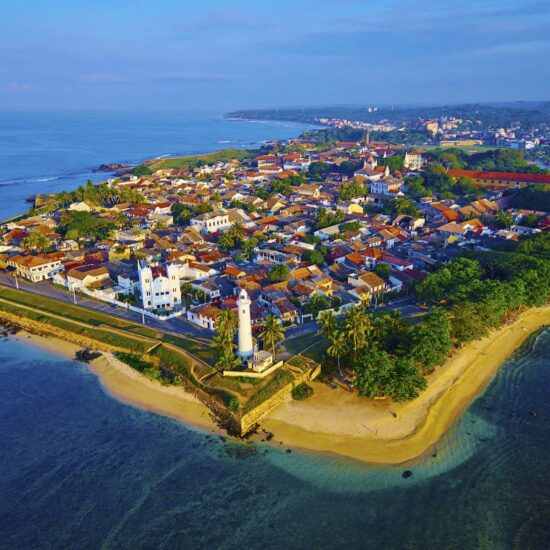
(329, 324)
(313, 257)
(403, 205)
(338, 347)
(279, 272)
(357, 325)
(85, 224)
(227, 360)
(36, 241)
(503, 219)
(142, 171)
(431, 340)
(396, 163)
(249, 246)
(273, 332)
(223, 342)
(181, 213)
(226, 324)
(226, 241)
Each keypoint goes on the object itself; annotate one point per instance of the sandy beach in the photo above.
(53, 345)
(335, 421)
(128, 385)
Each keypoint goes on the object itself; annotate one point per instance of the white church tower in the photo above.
(246, 346)
(160, 287)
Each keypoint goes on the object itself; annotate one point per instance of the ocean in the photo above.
(52, 152)
(79, 469)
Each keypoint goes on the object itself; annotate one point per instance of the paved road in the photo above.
(406, 306)
(179, 325)
(176, 326)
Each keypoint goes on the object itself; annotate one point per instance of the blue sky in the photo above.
(136, 54)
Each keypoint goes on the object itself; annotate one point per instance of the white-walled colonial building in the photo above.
(210, 222)
(414, 160)
(159, 286)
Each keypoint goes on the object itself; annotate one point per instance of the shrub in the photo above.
(301, 392)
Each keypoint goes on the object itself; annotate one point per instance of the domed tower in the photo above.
(246, 345)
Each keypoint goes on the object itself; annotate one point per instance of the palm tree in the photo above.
(237, 232)
(226, 324)
(338, 347)
(273, 332)
(226, 241)
(357, 324)
(227, 360)
(36, 241)
(329, 324)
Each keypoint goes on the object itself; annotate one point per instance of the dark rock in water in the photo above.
(406, 474)
(241, 451)
(532, 412)
(8, 329)
(288, 451)
(87, 355)
(110, 167)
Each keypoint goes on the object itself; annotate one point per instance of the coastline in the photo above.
(129, 386)
(333, 421)
(316, 424)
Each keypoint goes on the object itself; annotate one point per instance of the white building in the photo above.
(37, 268)
(210, 222)
(246, 345)
(414, 160)
(159, 286)
(388, 187)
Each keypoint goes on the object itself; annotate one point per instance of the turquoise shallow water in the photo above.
(79, 469)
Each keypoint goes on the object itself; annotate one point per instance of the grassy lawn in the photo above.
(223, 155)
(69, 311)
(118, 340)
(196, 348)
(297, 345)
(96, 320)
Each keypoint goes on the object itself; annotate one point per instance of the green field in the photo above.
(223, 155)
(42, 306)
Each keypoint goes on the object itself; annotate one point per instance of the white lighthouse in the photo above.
(246, 346)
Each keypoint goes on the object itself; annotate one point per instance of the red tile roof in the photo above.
(500, 176)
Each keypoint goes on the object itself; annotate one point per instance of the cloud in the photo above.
(18, 87)
(182, 76)
(512, 48)
(224, 20)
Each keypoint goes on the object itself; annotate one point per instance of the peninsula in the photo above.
(348, 291)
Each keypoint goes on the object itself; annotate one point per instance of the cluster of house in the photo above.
(452, 131)
(166, 268)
